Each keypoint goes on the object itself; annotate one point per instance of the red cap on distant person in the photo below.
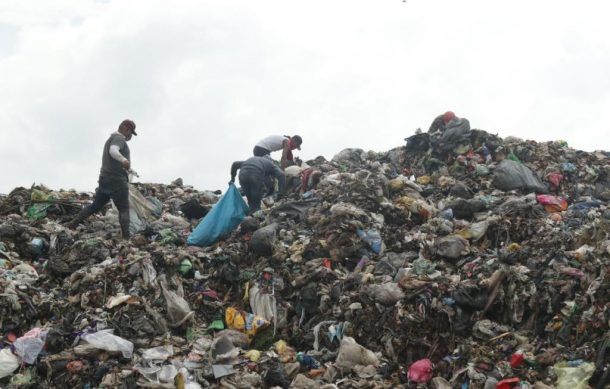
(448, 116)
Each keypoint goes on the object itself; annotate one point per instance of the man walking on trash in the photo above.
(279, 142)
(113, 180)
(254, 173)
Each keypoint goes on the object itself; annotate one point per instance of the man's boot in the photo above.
(82, 215)
(124, 222)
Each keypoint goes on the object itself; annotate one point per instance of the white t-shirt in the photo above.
(273, 142)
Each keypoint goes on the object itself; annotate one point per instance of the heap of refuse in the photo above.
(472, 262)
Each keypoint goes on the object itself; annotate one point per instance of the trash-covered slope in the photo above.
(481, 263)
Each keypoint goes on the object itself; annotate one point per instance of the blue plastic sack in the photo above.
(223, 218)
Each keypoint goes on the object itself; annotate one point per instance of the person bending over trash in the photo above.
(448, 131)
(440, 122)
(279, 142)
(254, 174)
(113, 181)
(310, 178)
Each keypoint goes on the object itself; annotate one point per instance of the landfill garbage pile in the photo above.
(472, 262)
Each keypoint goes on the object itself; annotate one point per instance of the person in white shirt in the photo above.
(279, 142)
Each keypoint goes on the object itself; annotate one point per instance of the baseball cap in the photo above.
(297, 141)
(128, 123)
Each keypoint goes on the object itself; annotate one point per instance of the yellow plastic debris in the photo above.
(253, 355)
(245, 322)
(423, 180)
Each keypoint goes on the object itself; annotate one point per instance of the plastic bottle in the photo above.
(361, 264)
(307, 360)
(37, 245)
(517, 359)
(373, 238)
(446, 214)
(308, 194)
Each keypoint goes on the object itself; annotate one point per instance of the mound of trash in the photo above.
(470, 261)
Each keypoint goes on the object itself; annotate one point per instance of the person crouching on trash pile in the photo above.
(255, 178)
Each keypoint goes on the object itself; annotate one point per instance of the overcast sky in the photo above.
(205, 80)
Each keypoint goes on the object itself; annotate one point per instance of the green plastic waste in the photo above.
(90, 243)
(482, 170)
(247, 275)
(22, 379)
(185, 266)
(513, 157)
(422, 266)
(38, 211)
(168, 236)
(38, 195)
(217, 325)
(189, 334)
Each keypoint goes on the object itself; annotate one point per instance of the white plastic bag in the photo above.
(149, 274)
(9, 362)
(178, 309)
(105, 340)
(263, 304)
(30, 345)
(352, 354)
(141, 211)
(387, 294)
(159, 353)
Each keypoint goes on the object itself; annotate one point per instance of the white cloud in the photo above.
(204, 80)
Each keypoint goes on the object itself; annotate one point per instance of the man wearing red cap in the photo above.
(113, 180)
(441, 121)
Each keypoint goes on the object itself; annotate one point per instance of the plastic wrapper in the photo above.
(552, 203)
(576, 377)
(387, 294)
(247, 323)
(352, 354)
(30, 345)
(105, 340)
(452, 247)
(9, 362)
(373, 239)
(178, 309)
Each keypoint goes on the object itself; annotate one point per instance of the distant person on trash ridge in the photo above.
(456, 131)
(441, 121)
(113, 182)
(254, 174)
(279, 142)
